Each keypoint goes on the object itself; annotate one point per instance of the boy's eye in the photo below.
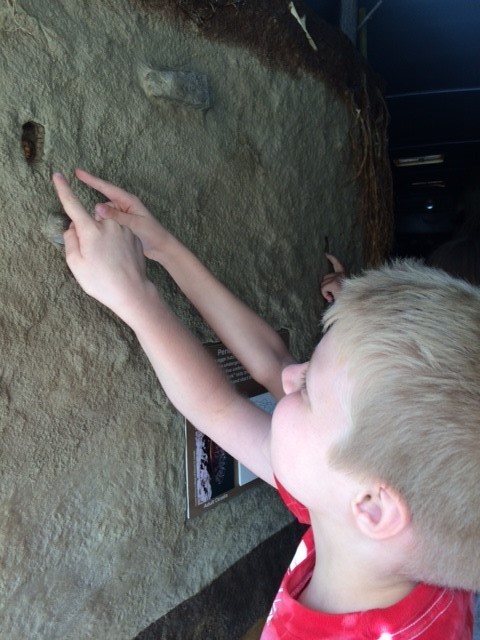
(303, 380)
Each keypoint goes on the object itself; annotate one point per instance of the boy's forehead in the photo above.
(330, 385)
(328, 341)
(324, 356)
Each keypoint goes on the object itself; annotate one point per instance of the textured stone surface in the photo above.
(93, 537)
(240, 595)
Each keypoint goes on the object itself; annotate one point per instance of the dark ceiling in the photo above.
(428, 54)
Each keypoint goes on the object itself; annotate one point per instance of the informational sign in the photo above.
(213, 476)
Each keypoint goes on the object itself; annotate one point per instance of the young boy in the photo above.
(375, 442)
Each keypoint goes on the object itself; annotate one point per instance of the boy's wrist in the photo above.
(138, 311)
(165, 250)
(159, 246)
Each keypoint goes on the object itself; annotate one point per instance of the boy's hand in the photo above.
(105, 258)
(332, 282)
(128, 211)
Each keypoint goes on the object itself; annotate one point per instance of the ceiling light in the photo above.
(436, 158)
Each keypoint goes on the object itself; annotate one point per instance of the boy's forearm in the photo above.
(249, 337)
(178, 358)
(198, 388)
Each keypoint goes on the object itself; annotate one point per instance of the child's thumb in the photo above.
(105, 211)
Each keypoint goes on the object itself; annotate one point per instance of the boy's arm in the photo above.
(107, 261)
(251, 339)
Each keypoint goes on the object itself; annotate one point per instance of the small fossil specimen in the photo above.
(187, 88)
(55, 226)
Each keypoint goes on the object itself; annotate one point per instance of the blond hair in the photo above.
(410, 335)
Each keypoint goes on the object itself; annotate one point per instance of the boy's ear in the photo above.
(380, 512)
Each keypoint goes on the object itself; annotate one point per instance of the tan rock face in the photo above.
(250, 167)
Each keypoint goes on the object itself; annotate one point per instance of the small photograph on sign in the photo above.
(215, 469)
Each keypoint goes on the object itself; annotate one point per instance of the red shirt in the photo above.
(427, 612)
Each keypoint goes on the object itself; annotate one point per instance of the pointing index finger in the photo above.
(335, 262)
(72, 205)
(113, 193)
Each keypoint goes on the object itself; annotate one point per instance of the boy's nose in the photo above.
(292, 377)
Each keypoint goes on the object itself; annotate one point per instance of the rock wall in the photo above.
(250, 165)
